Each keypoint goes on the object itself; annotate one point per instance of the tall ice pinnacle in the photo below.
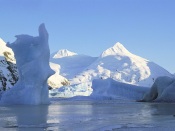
(32, 58)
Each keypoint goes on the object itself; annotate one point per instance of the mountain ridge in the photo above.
(118, 63)
(63, 53)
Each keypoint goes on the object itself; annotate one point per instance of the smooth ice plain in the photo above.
(78, 115)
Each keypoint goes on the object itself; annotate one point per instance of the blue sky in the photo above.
(144, 27)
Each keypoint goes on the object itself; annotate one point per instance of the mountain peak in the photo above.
(63, 53)
(118, 48)
(118, 45)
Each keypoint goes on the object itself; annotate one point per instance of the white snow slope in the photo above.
(4, 48)
(72, 64)
(121, 65)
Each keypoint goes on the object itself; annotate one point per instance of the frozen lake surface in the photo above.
(88, 115)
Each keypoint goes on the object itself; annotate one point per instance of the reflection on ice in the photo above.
(23, 117)
(163, 109)
(87, 115)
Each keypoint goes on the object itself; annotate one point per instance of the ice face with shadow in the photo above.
(163, 90)
(32, 59)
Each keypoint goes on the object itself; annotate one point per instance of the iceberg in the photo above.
(163, 90)
(32, 58)
(111, 89)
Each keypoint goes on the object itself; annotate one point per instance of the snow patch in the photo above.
(56, 80)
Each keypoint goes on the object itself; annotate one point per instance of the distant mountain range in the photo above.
(71, 68)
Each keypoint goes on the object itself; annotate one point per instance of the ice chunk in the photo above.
(32, 58)
(114, 90)
(163, 90)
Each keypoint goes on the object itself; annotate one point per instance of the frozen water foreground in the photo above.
(68, 115)
(32, 58)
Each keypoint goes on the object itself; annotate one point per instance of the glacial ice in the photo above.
(83, 89)
(104, 89)
(109, 88)
(163, 90)
(32, 58)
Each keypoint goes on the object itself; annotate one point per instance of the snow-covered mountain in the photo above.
(8, 69)
(72, 65)
(63, 53)
(121, 65)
